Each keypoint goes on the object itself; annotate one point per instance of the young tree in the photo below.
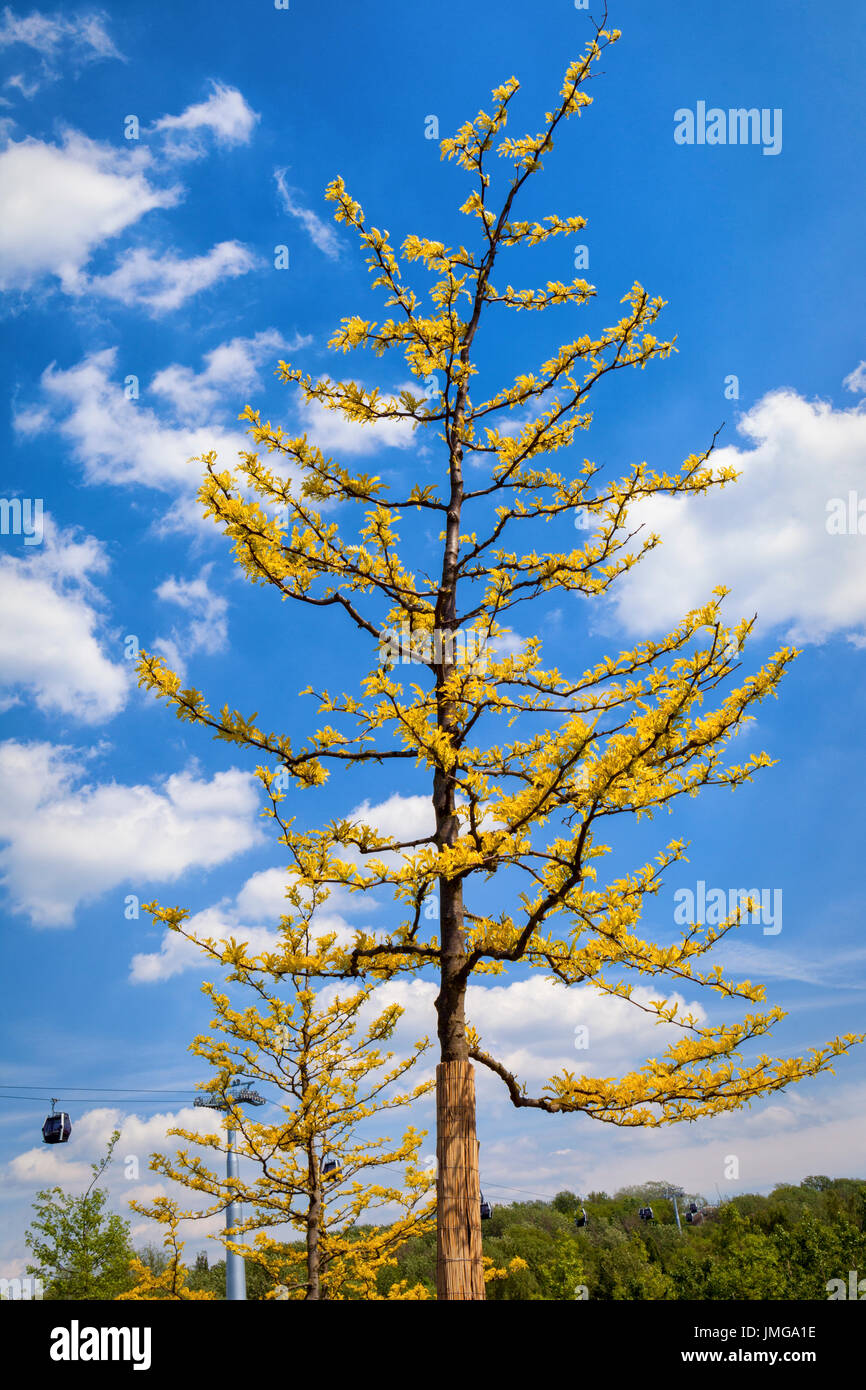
(166, 1277)
(329, 1075)
(82, 1251)
(624, 737)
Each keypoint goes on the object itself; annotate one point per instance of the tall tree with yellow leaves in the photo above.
(624, 737)
(326, 1070)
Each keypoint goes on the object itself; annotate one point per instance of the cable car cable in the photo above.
(127, 1090)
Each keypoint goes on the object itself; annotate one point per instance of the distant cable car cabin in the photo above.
(645, 1213)
(486, 1209)
(580, 1219)
(329, 1166)
(57, 1127)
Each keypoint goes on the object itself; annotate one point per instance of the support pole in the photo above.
(459, 1268)
(236, 1274)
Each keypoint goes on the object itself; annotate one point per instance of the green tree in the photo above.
(81, 1249)
(623, 1270)
(743, 1263)
(813, 1251)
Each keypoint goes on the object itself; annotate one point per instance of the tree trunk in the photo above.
(459, 1271)
(314, 1215)
(459, 1268)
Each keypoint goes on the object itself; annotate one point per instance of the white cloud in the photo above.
(220, 922)
(119, 440)
(225, 114)
(402, 817)
(399, 817)
(69, 842)
(261, 900)
(333, 433)
(49, 626)
(263, 896)
(163, 281)
(176, 954)
(812, 1129)
(856, 380)
(321, 233)
(68, 1165)
(765, 536)
(529, 1025)
(509, 644)
(62, 201)
(207, 626)
(232, 367)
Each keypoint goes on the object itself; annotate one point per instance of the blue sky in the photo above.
(143, 310)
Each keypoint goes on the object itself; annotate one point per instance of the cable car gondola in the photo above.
(486, 1209)
(329, 1166)
(57, 1127)
(580, 1219)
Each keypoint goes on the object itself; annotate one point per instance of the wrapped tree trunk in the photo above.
(459, 1271)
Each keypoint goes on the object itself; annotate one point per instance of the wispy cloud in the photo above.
(206, 626)
(58, 39)
(320, 232)
(163, 281)
(226, 116)
(231, 367)
(856, 380)
(840, 969)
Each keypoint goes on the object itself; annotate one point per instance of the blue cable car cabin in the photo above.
(486, 1209)
(57, 1128)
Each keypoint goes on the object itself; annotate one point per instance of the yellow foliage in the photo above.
(172, 1282)
(626, 736)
